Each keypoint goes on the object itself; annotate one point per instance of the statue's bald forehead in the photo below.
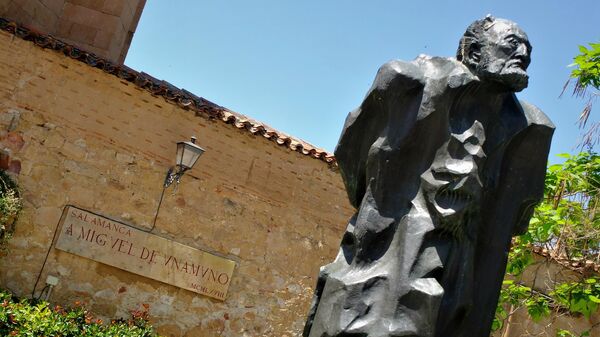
(503, 27)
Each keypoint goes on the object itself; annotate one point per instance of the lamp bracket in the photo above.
(174, 175)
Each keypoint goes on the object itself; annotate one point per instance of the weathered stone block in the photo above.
(14, 141)
(90, 17)
(14, 166)
(54, 140)
(114, 7)
(103, 39)
(71, 150)
(92, 4)
(47, 215)
(125, 158)
(4, 159)
(44, 19)
(169, 330)
(55, 6)
(82, 32)
(10, 119)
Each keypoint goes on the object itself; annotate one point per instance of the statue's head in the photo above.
(496, 50)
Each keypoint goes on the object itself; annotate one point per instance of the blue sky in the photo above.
(301, 66)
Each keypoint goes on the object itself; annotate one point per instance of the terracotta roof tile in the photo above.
(181, 97)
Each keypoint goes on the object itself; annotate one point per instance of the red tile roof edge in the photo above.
(180, 97)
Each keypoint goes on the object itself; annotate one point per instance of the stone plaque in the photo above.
(116, 244)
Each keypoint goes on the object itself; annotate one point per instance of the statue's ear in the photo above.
(474, 54)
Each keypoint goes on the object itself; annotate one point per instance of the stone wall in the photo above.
(73, 134)
(103, 27)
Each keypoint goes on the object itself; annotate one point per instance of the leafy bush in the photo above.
(10, 206)
(25, 318)
(566, 225)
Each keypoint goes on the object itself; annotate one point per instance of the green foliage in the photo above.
(516, 294)
(588, 66)
(26, 318)
(566, 333)
(567, 222)
(579, 297)
(10, 206)
(566, 225)
(586, 76)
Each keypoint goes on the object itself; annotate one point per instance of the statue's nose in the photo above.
(522, 53)
(522, 50)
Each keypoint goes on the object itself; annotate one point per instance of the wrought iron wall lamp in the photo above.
(187, 156)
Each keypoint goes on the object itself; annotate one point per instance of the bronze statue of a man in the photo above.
(444, 165)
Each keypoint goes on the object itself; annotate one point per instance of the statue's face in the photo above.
(505, 55)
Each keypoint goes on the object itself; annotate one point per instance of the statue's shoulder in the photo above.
(422, 70)
(398, 72)
(535, 116)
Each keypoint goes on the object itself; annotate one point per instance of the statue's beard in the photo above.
(509, 74)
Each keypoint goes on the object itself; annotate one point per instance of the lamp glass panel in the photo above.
(179, 157)
(189, 154)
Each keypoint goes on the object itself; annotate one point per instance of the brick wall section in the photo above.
(103, 27)
(84, 137)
